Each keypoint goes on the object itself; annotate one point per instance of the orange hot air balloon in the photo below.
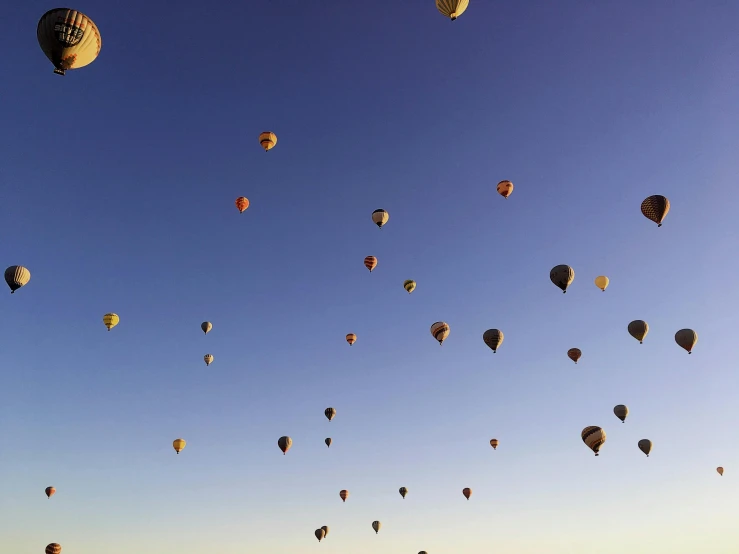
(574, 354)
(50, 491)
(242, 202)
(344, 494)
(268, 140)
(53, 548)
(720, 471)
(370, 262)
(505, 188)
(351, 338)
(467, 493)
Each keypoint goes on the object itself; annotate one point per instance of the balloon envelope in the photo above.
(645, 445)
(284, 443)
(17, 276)
(638, 329)
(504, 188)
(268, 140)
(409, 285)
(602, 282)
(621, 412)
(440, 331)
(50, 491)
(380, 217)
(593, 437)
(687, 339)
(493, 338)
(111, 320)
(452, 8)
(179, 445)
(562, 276)
(206, 326)
(68, 38)
(655, 208)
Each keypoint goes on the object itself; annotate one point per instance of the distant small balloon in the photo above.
(328, 441)
(720, 471)
(403, 491)
(655, 208)
(50, 491)
(284, 443)
(111, 320)
(562, 276)
(268, 140)
(504, 188)
(344, 494)
(242, 202)
(467, 493)
(493, 338)
(208, 359)
(645, 445)
(325, 530)
(179, 445)
(621, 412)
(330, 413)
(593, 437)
(409, 285)
(687, 339)
(638, 329)
(440, 331)
(206, 326)
(53, 548)
(17, 276)
(574, 354)
(351, 338)
(320, 534)
(494, 443)
(380, 217)
(376, 525)
(370, 262)
(602, 282)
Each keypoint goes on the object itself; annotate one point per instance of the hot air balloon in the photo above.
(467, 493)
(53, 548)
(655, 208)
(330, 413)
(111, 320)
(328, 441)
(574, 354)
(68, 38)
(320, 533)
(325, 530)
(602, 282)
(403, 491)
(593, 437)
(50, 491)
(422, 552)
(504, 188)
(268, 140)
(179, 445)
(284, 443)
(562, 276)
(242, 202)
(493, 338)
(409, 285)
(621, 412)
(370, 262)
(17, 276)
(206, 326)
(440, 331)
(344, 494)
(686, 338)
(376, 525)
(720, 471)
(494, 443)
(452, 8)
(638, 329)
(208, 359)
(351, 338)
(645, 445)
(380, 217)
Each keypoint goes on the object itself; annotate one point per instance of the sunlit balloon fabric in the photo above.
(467, 492)
(351, 338)
(493, 338)
(320, 534)
(17, 276)
(344, 494)
(330, 413)
(494, 443)
(68, 38)
(380, 217)
(403, 491)
(638, 329)
(111, 320)
(50, 491)
(687, 339)
(562, 276)
(593, 437)
(242, 202)
(409, 285)
(452, 8)
(370, 262)
(440, 331)
(208, 358)
(376, 525)
(645, 445)
(602, 282)
(179, 445)
(504, 188)
(720, 471)
(325, 530)
(268, 140)
(53, 548)
(206, 326)
(574, 354)
(621, 412)
(655, 208)
(284, 443)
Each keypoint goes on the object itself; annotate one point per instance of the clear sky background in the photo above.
(117, 185)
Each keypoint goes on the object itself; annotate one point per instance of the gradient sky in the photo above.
(117, 185)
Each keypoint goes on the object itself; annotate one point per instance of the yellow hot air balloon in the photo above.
(50, 491)
(452, 8)
(720, 471)
(53, 548)
(370, 262)
(655, 208)
(409, 285)
(351, 338)
(440, 331)
(645, 445)
(380, 217)
(268, 140)
(686, 338)
(593, 437)
(206, 326)
(467, 493)
(320, 534)
(621, 412)
(494, 443)
(493, 338)
(638, 329)
(562, 276)
(111, 320)
(574, 354)
(376, 525)
(602, 282)
(504, 188)
(68, 38)
(208, 359)
(403, 491)
(284, 443)
(17, 276)
(179, 445)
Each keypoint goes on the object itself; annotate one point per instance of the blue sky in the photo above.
(118, 183)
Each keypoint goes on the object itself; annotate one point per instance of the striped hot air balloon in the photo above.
(111, 320)
(655, 208)
(284, 443)
(452, 8)
(494, 443)
(687, 339)
(562, 276)
(409, 285)
(493, 338)
(208, 359)
(242, 202)
(17, 276)
(504, 188)
(593, 437)
(380, 217)
(344, 494)
(351, 338)
(370, 262)
(621, 412)
(440, 331)
(638, 329)
(268, 140)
